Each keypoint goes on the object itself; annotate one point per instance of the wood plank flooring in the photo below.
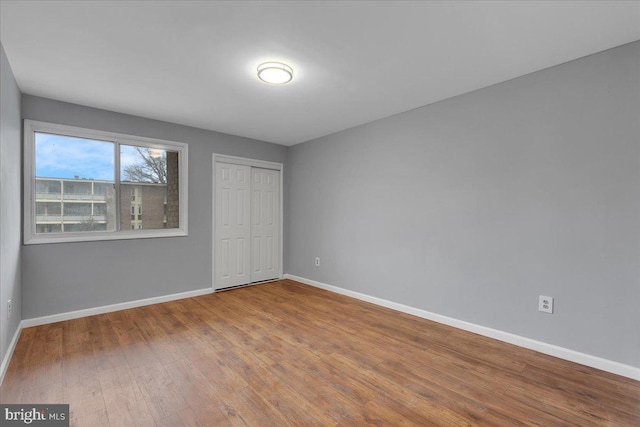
(284, 353)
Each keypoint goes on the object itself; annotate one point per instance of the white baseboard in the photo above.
(36, 321)
(542, 347)
(7, 357)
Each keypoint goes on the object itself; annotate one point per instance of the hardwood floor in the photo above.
(284, 353)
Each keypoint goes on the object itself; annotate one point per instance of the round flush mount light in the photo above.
(275, 73)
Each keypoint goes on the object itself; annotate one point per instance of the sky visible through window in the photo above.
(59, 156)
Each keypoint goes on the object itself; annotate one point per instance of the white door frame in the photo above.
(222, 158)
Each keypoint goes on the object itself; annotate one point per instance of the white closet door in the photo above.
(265, 224)
(232, 225)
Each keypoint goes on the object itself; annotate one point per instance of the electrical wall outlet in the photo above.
(545, 304)
(317, 261)
(9, 309)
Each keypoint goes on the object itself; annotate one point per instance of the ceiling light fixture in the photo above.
(275, 73)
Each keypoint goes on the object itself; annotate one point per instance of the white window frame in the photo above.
(31, 127)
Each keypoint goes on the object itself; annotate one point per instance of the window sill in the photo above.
(43, 238)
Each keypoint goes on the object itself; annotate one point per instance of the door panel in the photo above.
(232, 225)
(265, 224)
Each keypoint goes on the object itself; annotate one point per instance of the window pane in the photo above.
(149, 179)
(74, 184)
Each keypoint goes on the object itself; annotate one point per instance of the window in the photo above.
(79, 184)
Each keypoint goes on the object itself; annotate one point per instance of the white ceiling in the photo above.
(194, 63)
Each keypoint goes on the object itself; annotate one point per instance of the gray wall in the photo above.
(10, 204)
(63, 277)
(474, 206)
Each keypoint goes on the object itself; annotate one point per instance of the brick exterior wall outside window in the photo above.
(173, 214)
(149, 200)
